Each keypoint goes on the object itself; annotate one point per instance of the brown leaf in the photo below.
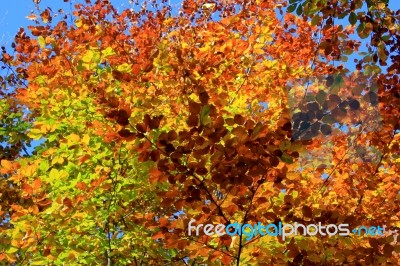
(371, 97)
(125, 133)
(45, 15)
(274, 161)
(204, 97)
(239, 119)
(123, 118)
(155, 155)
(194, 108)
(172, 135)
(155, 122)
(141, 127)
(307, 212)
(388, 250)
(326, 129)
(354, 104)
(338, 114)
(201, 171)
(193, 120)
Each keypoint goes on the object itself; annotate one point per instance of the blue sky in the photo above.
(13, 13)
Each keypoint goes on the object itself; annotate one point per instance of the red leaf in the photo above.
(158, 235)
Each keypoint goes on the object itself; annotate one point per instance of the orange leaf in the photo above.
(163, 221)
(44, 202)
(8, 166)
(156, 176)
(81, 186)
(84, 158)
(36, 184)
(15, 216)
(27, 188)
(158, 235)
(45, 15)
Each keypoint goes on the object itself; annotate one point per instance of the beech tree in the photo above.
(217, 111)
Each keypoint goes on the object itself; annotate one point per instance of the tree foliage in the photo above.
(153, 116)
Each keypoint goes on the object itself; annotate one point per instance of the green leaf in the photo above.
(299, 10)
(361, 30)
(311, 9)
(286, 158)
(39, 261)
(385, 38)
(291, 8)
(321, 96)
(80, 66)
(205, 111)
(368, 28)
(315, 20)
(328, 119)
(284, 145)
(343, 14)
(337, 84)
(44, 165)
(12, 250)
(353, 18)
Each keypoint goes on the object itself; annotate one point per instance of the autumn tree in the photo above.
(221, 112)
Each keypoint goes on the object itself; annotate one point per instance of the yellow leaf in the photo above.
(86, 139)
(184, 45)
(381, 5)
(208, 6)
(73, 139)
(292, 176)
(79, 215)
(53, 174)
(68, 73)
(57, 159)
(6, 164)
(168, 21)
(107, 52)
(125, 67)
(179, 224)
(12, 250)
(78, 23)
(42, 42)
(35, 133)
(63, 175)
(29, 170)
(88, 56)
